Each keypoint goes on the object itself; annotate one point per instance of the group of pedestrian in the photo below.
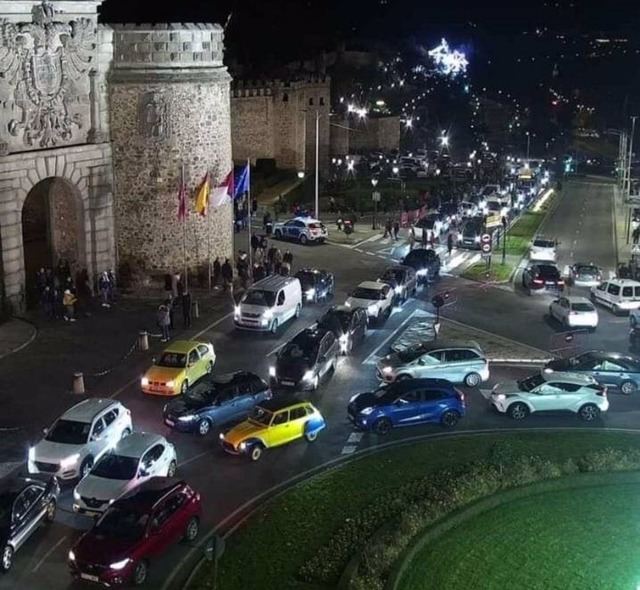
(391, 229)
(179, 297)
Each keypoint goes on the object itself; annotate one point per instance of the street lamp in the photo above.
(528, 144)
(300, 174)
(374, 196)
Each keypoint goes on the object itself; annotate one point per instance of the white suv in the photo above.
(376, 298)
(79, 437)
(543, 249)
(551, 391)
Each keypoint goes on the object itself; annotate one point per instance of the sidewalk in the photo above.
(620, 212)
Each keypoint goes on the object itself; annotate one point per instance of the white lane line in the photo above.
(355, 437)
(194, 458)
(47, 554)
(349, 449)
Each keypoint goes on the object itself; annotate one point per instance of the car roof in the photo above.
(576, 299)
(313, 270)
(343, 309)
(568, 377)
(146, 495)
(273, 283)
(449, 344)
(410, 384)
(225, 378)
(604, 354)
(183, 346)
(372, 285)
(310, 335)
(88, 409)
(137, 443)
(305, 219)
(589, 264)
(282, 402)
(627, 282)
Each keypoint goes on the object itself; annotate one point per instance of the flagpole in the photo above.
(249, 211)
(209, 257)
(184, 235)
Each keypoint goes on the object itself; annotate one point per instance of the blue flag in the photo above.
(242, 182)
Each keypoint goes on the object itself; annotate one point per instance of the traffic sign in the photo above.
(486, 248)
(485, 238)
(375, 196)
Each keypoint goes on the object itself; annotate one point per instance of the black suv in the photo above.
(425, 262)
(402, 279)
(24, 504)
(540, 278)
(317, 285)
(304, 361)
(470, 233)
(348, 324)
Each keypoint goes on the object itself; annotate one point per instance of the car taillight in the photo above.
(560, 282)
(538, 281)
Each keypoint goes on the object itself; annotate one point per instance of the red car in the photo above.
(134, 530)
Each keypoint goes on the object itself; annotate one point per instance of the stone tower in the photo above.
(169, 107)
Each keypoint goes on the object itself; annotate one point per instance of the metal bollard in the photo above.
(143, 340)
(196, 309)
(78, 383)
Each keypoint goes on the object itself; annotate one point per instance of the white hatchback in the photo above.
(376, 298)
(554, 391)
(134, 460)
(574, 312)
(543, 249)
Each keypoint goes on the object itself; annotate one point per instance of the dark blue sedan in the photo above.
(413, 401)
(215, 400)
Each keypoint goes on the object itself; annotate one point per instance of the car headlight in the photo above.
(272, 371)
(398, 289)
(144, 382)
(243, 446)
(236, 310)
(72, 555)
(221, 436)
(118, 565)
(76, 495)
(309, 376)
(476, 239)
(268, 314)
(311, 293)
(373, 308)
(69, 461)
(344, 338)
(170, 384)
(387, 370)
(422, 272)
(347, 303)
(188, 418)
(501, 397)
(32, 454)
(366, 411)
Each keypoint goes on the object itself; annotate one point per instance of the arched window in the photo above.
(322, 100)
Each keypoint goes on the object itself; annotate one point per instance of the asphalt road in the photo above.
(227, 483)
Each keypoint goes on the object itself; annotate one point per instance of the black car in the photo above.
(540, 278)
(403, 280)
(304, 361)
(317, 285)
(24, 504)
(470, 233)
(426, 263)
(348, 324)
(216, 399)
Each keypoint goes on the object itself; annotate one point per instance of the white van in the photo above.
(618, 294)
(268, 304)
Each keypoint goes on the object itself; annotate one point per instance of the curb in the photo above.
(31, 338)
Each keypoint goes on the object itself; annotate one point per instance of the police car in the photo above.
(301, 229)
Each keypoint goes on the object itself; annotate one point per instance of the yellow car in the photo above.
(179, 366)
(273, 422)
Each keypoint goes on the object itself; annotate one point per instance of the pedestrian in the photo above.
(258, 272)
(217, 270)
(450, 243)
(432, 239)
(277, 261)
(387, 228)
(636, 235)
(412, 238)
(255, 243)
(396, 230)
(112, 286)
(103, 287)
(258, 256)
(288, 257)
(47, 302)
(186, 308)
(242, 265)
(424, 237)
(164, 321)
(254, 207)
(266, 223)
(227, 275)
(332, 205)
(41, 280)
(69, 301)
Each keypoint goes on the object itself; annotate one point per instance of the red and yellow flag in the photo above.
(202, 196)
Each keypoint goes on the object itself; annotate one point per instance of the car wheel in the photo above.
(298, 308)
(382, 426)
(210, 368)
(192, 529)
(589, 412)
(518, 411)
(125, 433)
(277, 235)
(171, 471)
(628, 387)
(311, 436)
(274, 327)
(184, 387)
(204, 426)
(7, 558)
(50, 513)
(140, 573)
(472, 380)
(256, 452)
(303, 239)
(450, 418)
(86, 466)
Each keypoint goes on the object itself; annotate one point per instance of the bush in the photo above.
(610, 460)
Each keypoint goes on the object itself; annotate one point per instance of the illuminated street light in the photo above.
(444, 140)
(350, 165)
(374, 182)
(300, 174)
(395, 170)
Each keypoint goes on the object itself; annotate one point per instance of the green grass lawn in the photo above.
(580, 539)
(497, 272)
(269, 549)
(519, 236)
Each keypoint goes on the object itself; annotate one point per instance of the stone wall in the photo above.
(252, 126)
(169, 105)
(379, 133)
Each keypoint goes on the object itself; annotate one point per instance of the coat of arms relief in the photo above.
(44, 61)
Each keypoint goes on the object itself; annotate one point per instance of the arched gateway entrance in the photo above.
(50, 231)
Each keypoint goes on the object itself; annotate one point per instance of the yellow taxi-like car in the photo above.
(273, 422)
(181, 364)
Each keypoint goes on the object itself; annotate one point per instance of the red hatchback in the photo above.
(137, 528)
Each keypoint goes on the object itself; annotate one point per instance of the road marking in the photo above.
(194, 458)
(212, 325)
(47, 554)
(349, 449)
(355, 437)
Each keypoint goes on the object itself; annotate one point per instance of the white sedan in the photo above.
(543, 249)
(376, 298)
(574, 312)
(133, 460)
(544, 392)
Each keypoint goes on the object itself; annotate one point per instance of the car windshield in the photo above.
(316, 226)
(259, 297)
(406, 356)
(112, 466)
(261, 416)
(544, 243)
(494, 205)
(363, 293)
(295, 351)
(426, 223)
(201, 392)
(121, 522)
(582, 306)
(586, 270)
(173, 360)
(329, 320)
(69, 432)
(530, 382)
(307, 279)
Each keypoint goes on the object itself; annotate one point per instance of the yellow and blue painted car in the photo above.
(273, 423)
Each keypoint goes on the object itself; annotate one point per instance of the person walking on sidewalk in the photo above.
(423, 237)
(69, 301)
(103, 287)
(186, 309)
(396, 229)
(227, 275)
(636, 235)
(450, 243)
(287, 260)
(47, 302)
(217, 269)
(412, 238)
(164, 321)
(255, 243)
(387, 228)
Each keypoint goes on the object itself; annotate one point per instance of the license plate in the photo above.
(287, 382)
(89, 577)
(550, 283)
(169, 422)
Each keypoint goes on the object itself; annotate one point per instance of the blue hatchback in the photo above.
(412, 401)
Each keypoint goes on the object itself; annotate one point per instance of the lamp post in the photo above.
(528, 144)
(374, 196)
(317, 185)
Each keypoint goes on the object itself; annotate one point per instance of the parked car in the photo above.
(620, 295)
(585, 275)
(215, 400)
(426, 263)
(607, 368)
(416, 401)
(307, 359)
(402, 279)
(317, 285)
(136, 529)
(349, 325)
(25, 503)
(301, 229)
(375, 298)
(181, 364)
(544, 392)
(79, 437)
(543, 249)
(273, 423)
(542, 278)
(135, 459)
(458, 362)
(574, 312)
